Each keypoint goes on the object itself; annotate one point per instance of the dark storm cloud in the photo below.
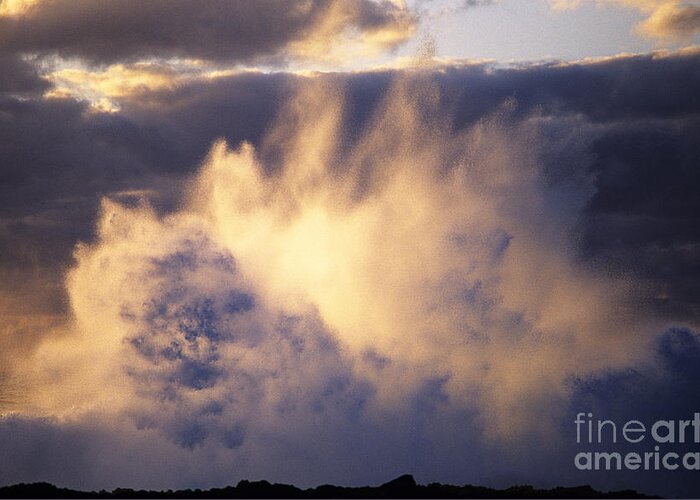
(18, 75)
(67, 444)
(58, 158)
(56, 162)
(123, 30)
(639, 145)
(188, 119)
(617, 89)
(665, 391)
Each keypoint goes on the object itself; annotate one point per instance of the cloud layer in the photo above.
(221, 31)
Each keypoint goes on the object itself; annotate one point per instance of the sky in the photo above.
(340, 241)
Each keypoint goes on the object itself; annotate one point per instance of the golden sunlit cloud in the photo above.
(16, 7)
(669, 20)
(105, 88)
(334, 42)
(108, 88)
(415, 254)
(674, 21)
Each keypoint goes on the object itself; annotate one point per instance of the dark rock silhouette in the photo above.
(402, 487)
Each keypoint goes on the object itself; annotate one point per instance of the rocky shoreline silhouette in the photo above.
(402, 487)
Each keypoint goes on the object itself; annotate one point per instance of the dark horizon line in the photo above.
(404, 486)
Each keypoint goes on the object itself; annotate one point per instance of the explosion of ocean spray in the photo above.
(332, 288)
